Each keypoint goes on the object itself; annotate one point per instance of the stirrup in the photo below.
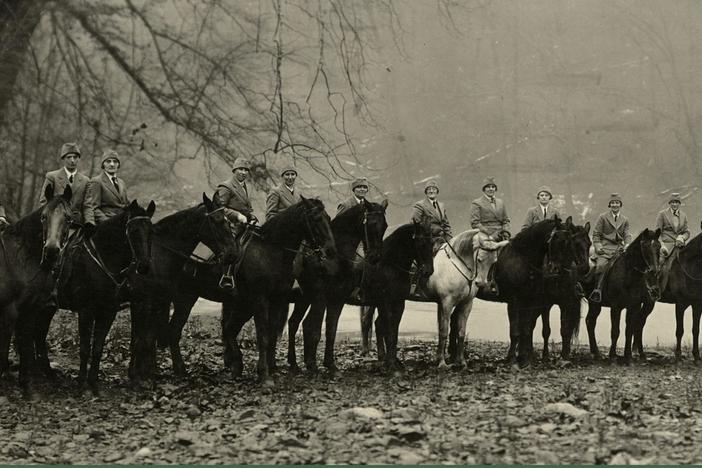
(226, 282)
(596, 296)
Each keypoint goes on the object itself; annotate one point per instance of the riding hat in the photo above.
(615, 197)
(431, 183)
(289, 168)
(544, 188)
(110, 154)
(69, 148)
(360, 182)
(241, 163)
(489, 181)
(675, 196)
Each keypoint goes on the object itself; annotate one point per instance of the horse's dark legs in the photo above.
(41, 331)
(24, 335)
(332, 324)
(633, 323)
(527, 322)
(462, 312)
(646, 310)
(570, 322)
(296, 317)
(393, 312)
(366, 313)
(85, 332)
(696, 314)
(453, 337)
(513, 315)
(679, 328)
(546, 332)
(380, 334)
(234, 317)
(8, 318)
(103, 323)
(312, 333)
(144, 324)
(278, 315)
(262, 319)
(182, 306)
(615, 315)
(443, 315)
(593, 312)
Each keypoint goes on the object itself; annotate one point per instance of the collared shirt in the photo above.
(358, 200)
(70, 175)
(490, 199)
(291, 189)
(544, 210)
(616, 216)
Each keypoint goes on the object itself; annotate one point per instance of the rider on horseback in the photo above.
(610, 237)
(543, 210)
(489, 215)
(233, 196)
(359, 187)
(674, 233)
(435, 211)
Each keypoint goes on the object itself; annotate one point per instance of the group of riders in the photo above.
(96, 199)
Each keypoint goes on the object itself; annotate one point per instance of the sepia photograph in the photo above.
(350, 232)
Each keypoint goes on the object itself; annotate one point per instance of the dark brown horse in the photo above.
(631, 281)
(684, 289)
(174, 239)
(364, 223)
(265, 279)
(30, 250)
(94, 283)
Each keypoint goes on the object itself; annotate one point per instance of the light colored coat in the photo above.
(279, 199)
(666, 222)
(536, 214)
(58, 179)
(487, 219)
(346, 204)
(102, 200)
(440, 226)
(610, 235)
(233, 197)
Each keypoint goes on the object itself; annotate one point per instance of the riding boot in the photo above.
(579, 291)
(596, 295)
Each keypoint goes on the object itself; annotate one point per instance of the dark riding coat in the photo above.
(232, 195)
(279, 199)
(103, 200)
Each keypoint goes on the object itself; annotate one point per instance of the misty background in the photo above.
(589, 97)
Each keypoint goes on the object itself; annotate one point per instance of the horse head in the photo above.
(581, 245)
(318, 227)
(56, 217)
(216, 232)
(423, 246)
(138, 232)
(374, 226)
(649, 250)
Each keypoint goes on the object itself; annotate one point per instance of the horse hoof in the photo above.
(460, 365)
(268, 382)
(442, 366)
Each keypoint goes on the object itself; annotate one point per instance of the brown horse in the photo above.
(31, 248)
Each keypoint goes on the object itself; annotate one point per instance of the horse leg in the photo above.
(103, 323)
(443, 315)
(182, 306)
(261, 307)
(296, 317)
(394, 316)
(144, 324)
(546, 332)
(332, 324)
(366, 313)
(615, 315)
(453, 337)
(593, 311)
(462, 312)
(525, 345)
(679, 328)
(513, 316)
(41, 331)
(696, 314)
(24, 337)
(312, 334)
(380, 334)
(8, 318)
(234, 317)
(646, 310)
(85, 331)
(278, 316)
(633, 320)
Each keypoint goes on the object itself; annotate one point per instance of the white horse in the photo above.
(452, 286)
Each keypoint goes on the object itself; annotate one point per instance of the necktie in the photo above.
(114, 182)
(436, 207)
(70, 179)
(675, 213)
(544, 213)
(243, 184)
(616, 217)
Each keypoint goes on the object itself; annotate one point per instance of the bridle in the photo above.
(64, 236)
(647, 272)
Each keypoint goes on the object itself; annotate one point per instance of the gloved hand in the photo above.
(599, 250)
(679, 241)
(505, 235)
(253, 219)
(3, 222)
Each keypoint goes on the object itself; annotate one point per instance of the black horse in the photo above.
(389, 283)
(537, 269)
(265, 279)
(684, 289)
(31, 248)
(364, 223)
(631, 281)
(93, 282)
(174, 239)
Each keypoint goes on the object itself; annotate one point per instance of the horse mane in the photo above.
(395, 240)
(343, 220)
(534, 234)
(291, 216)
(463, 243)
(27, 226)
(113, 227)
(177, 221)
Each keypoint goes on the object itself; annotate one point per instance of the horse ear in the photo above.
(302, 198)
(657, 233)
(134, 204)
(207, 202)
(49, 192)
(67, 193)
(569, 221)
(150, 209)
(587, 227)
(384, 204)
